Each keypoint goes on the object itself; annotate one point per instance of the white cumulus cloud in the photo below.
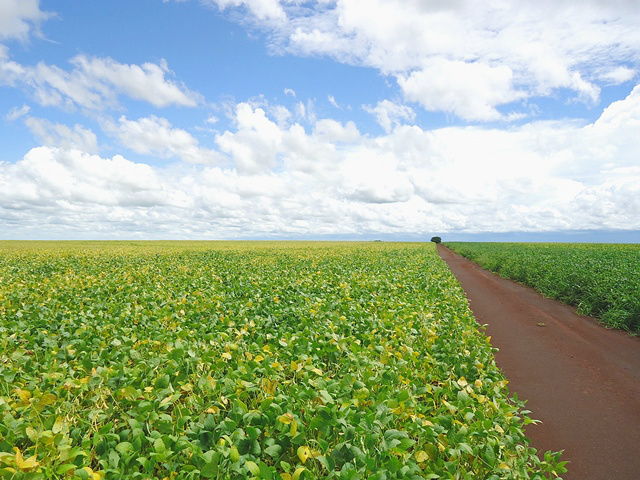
(390, 114)
(49, 178)
(262, 9)
(469, 90)
(59, 135)
(255, 144)
(95, 83)
(619, 75)
(156, 136)
(19, 18)
(17, 112)
(470, 58)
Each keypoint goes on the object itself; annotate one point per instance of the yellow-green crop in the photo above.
(248, 360)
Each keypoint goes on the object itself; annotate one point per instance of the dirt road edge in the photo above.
(581, 380)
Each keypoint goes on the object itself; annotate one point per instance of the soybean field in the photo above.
(292, 361)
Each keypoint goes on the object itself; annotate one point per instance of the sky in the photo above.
(325, 119)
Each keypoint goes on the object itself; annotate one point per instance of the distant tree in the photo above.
(436, 239)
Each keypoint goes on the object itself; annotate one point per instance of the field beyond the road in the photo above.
(601, 280)
(248, 360)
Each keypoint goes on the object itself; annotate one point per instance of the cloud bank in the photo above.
(284, 180)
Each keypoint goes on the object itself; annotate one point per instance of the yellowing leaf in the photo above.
(47, 399)
(32, 434)
(304, 453)
(25, 465)
(452, 408)
(18, 456)
(92, 475)
(297, 473)
(421, 456)
(269, 386)
(252, 467)
(234, 454)
(398, 410)
(286, 418)
(24, 395)
(226, 356)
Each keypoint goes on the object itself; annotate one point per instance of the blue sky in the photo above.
(319, 119)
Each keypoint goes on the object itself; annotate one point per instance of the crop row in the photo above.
(248, 360)
(601, 280)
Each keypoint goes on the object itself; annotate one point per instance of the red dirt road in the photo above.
(581, 380)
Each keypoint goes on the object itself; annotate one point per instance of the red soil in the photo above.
(580, 379)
